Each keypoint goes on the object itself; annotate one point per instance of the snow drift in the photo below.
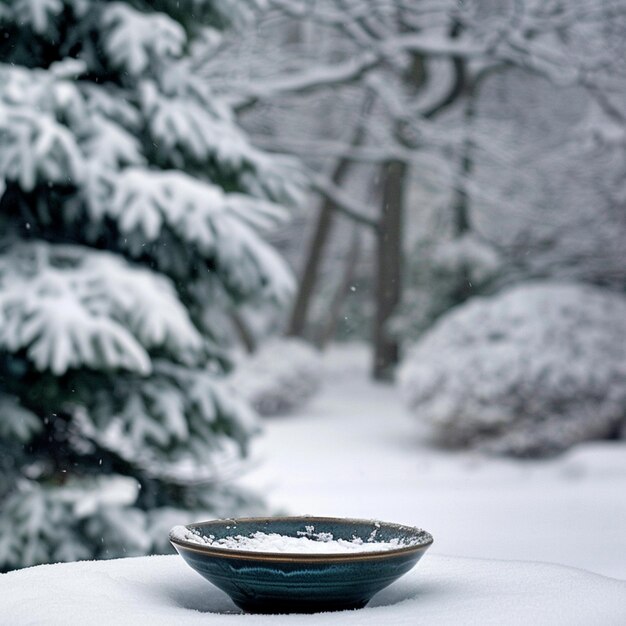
(440, 590)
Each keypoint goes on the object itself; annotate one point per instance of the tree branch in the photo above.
(321, 148)
(434, 45)
(343, 203)
(301, 82)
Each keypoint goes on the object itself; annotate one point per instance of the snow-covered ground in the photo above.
(356, 451)
(440, 590)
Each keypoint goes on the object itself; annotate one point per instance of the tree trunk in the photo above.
(389, 267)
(246, 336)
(461, 222)
(299, 314)
(298, 321)
(460, 202)
(332, 319)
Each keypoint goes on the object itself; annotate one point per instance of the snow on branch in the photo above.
(181, 424)
(220, 227)
(133, 39)
(70, 307)
(509, 37)
(329, 148)
(40, 15)
(434, 45)
(307, 80)
(343, 203)
(18, 422)
(34, 146)
(110, 144)
(181, 125)
(186, 125)
(55, 522)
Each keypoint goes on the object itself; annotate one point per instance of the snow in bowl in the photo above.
(300, 564)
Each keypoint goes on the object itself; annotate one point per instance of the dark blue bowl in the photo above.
(264, 582)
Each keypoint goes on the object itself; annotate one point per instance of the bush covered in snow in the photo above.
(531, 371)
(280, 377)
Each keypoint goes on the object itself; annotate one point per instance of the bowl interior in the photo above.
(409, 538)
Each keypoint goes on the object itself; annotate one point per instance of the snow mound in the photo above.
(440, 590)
(280, 377)
(531, 371)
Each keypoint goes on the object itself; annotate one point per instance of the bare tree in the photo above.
(422, 62)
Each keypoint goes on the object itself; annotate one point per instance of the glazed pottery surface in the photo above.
(270, 582)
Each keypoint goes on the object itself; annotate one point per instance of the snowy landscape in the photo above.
(348, 258)
(355, 451)
(514, 541)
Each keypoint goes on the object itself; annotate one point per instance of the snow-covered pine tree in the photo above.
(131, 214)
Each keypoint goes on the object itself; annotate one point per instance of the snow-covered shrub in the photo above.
(530, 371)
(280, 377)
(132, 216)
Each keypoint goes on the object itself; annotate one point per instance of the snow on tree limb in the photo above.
(69, 309)
(185, 127)
(310, 79)
(36, 147)
(134, 38)
(434, 45)
(144, 203)
(39, 15)
(167, 424)
(18, 423)
(343, 203)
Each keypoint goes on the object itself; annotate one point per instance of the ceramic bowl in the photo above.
(278, 582)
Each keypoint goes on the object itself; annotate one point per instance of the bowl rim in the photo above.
(249, 555)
